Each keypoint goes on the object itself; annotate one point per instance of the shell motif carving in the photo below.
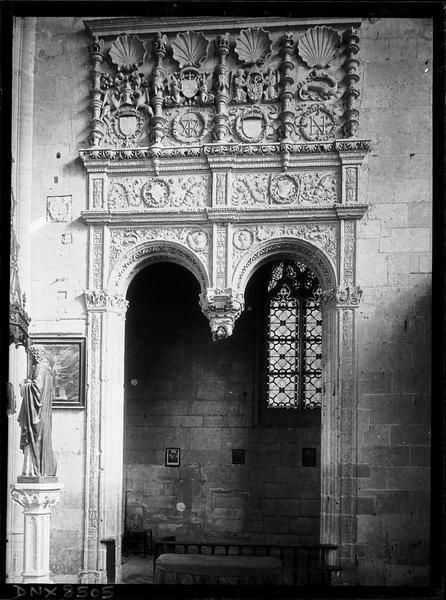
(253, 46)
(190, 48)
(318, 46)
(127, 52)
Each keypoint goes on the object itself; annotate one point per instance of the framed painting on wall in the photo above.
(67, 360)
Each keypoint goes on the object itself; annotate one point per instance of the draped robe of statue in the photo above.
(35, 419)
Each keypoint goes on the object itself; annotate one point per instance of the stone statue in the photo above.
(35, 417)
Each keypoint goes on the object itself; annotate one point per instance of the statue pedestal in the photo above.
(36, 498)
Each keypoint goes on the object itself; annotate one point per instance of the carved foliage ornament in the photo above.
(298, 188)
(158, 193)
(103, 300)
(321, 235)
(222, 308)
(348, 297)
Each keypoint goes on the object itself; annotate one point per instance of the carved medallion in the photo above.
(316, 124)
(197, 240)
(250, 125)
(156, 192)
(243, 239)
(188, 127)
(284, 189)
(127, 125)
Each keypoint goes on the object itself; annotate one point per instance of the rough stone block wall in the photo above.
(195, 394)
(393, 326)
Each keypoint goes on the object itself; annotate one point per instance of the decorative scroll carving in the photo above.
(347, 297)
(222, 308)
(151, 253)
(158, 193)
(351, 114)
(104, 300)
(310, 187)
(195, 238)
(253, 46)
(322, 235)
(250, 190)
(318, 47)
(349, 253)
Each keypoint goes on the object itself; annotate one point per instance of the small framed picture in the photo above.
(66, 358)
(173, 457)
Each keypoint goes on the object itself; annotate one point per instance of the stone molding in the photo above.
(348, 297)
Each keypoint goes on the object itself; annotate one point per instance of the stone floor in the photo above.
(137, 569)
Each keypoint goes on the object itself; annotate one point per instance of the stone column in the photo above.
(105, 424)
(37, 499)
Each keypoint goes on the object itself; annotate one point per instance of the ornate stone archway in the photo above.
(212, 188)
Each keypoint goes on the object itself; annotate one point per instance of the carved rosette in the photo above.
(102, 300)
(222, 308)
(348, 297)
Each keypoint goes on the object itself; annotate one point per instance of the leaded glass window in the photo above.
(294, 336)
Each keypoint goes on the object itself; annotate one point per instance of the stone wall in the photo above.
(393, 329)
(184, 390)
(393, 326)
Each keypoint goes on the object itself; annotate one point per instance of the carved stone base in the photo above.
(36, 500)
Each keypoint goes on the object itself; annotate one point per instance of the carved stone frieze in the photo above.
(104, 300)
(35, 500)
(98, 192)
(181, 192)
(322, 235)
(351, 184)
(195, 238)
(98, 257)
(297, 188)
(341, 297)
(222, 307)
(229, 149)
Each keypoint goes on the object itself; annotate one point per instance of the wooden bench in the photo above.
(300, 564)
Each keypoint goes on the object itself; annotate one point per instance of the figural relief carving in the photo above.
(179, 192)
(298, 188)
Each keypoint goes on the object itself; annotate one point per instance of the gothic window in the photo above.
(293, 336)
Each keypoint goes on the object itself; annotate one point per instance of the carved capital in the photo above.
(345, 297)
(101, 300)
(222, 308)
(36, 498)
(18, 325)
